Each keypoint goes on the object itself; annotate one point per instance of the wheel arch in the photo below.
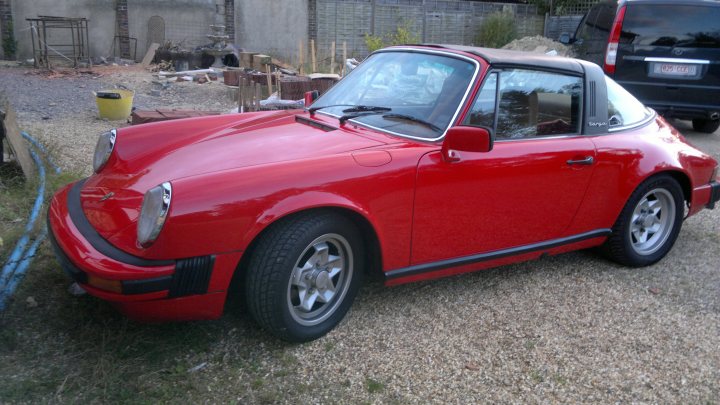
(683, 179)
(371, 241)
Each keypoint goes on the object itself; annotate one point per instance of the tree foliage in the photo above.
(497, 30)
(403, 35)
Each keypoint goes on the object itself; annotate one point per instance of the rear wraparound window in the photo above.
(623, 109)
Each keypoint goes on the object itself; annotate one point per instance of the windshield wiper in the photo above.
(362, 110)
(415, 119)
(354, 108)
(366, 108)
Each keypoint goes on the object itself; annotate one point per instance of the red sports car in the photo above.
(425, 161)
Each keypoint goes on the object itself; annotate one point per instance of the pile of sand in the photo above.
(539, 44)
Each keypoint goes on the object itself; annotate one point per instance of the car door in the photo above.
(527, 189)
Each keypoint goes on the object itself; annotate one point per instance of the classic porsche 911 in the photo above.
(424, 162)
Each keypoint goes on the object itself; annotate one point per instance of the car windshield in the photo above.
(406, 93)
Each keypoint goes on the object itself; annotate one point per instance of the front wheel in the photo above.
(648, 224)
(304, 275)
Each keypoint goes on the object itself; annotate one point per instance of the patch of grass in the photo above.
(15, 205)
(257, 383)
(559, 379)
(537, 376)
(374, 386)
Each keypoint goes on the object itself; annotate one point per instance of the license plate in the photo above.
(675, 69)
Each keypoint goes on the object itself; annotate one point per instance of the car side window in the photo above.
(623, 108)
(537, 103)
(482, 112)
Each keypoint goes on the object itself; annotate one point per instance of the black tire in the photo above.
(705, 125)
(275, 299)
(637, 219)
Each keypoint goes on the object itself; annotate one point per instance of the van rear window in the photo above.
(672, 25)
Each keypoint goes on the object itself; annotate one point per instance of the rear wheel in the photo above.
(649, 223)
(304, 275)
(705, 125)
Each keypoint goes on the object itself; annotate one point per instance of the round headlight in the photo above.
(155, 207)
(103, 149)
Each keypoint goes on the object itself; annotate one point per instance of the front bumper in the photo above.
(150, 290)
(714, 194)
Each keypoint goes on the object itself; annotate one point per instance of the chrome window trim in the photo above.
(538, 138)
(648, 119)
(457, 111)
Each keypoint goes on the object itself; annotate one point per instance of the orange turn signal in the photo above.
(103, 284)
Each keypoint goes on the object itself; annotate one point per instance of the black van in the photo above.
(666, 53)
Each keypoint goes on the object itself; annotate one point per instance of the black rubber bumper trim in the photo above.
(129, 287)
(98, 242)
(68, 267)
(498, 254)
(714, 194)
(191, 276)
(149, 285)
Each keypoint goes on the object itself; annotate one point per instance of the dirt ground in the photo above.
(574, 328)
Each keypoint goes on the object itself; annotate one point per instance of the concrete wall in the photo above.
(100, 13)
(186, 21)
(273, 27)
(2, 53)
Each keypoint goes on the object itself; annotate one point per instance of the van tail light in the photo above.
(612, 47)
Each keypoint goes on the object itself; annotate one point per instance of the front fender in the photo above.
(225, 211)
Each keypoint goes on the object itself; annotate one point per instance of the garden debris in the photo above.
(161, 114)
(31, 303)
(76, 291)
(197, 368)
(164, 65)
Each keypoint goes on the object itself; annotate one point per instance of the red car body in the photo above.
(422, 215)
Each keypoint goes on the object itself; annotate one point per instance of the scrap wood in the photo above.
(280, 64)
(164, 65)
(145, 116)
(17, 143)
(315, 76)
(184, 72)
(150, 55)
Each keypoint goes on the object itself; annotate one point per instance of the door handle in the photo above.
(587, 161)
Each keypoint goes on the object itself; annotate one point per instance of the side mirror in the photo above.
(465, 139)
(564, 38)
(310, 97)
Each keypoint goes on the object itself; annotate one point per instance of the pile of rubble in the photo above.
(540, 44)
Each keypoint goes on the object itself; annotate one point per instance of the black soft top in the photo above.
(500, 57)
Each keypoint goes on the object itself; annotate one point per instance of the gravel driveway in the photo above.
(571, 328)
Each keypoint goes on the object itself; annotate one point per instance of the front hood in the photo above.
(148, 155)
(166, 152)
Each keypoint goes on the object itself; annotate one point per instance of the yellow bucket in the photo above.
(114, 104)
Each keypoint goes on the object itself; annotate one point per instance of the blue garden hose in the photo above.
(14, 269)
(19, 273)
(42, 149)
